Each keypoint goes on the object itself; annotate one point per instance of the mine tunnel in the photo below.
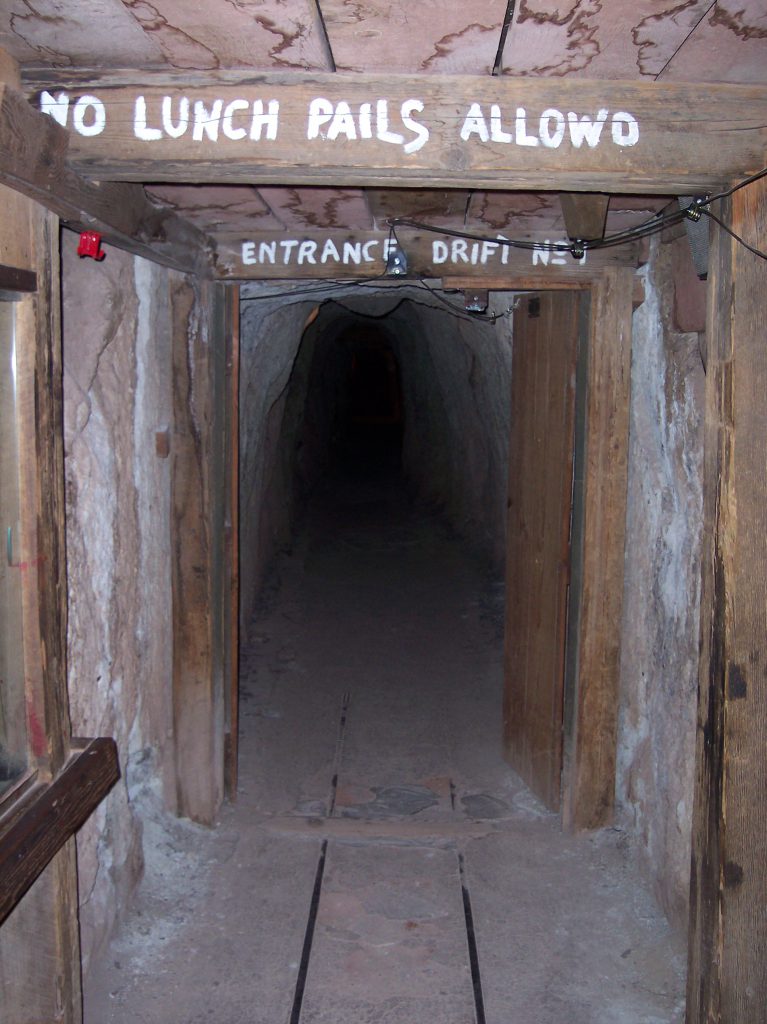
(395, 481)
(374, 386)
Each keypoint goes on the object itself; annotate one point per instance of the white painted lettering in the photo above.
(56, 107)
(342, 123)
(552, 137)
(175, 129)
(226, 125)
(320, 113)
(389, 244)
(330, 252)
(474, 253)
(89, 116)
(382, 125)
(474, 123)
(625, 129)
(459, 251)
(306, 251)
(140, 129)
(505, 249)
(584, 129)
(366, 121)
(207, 122)
(366, 250)
(287, 246)
(497, 134)
(439, 252)
(421, 132)
(540, 255)
(488, 250)
(269, 120)
(353, 252)
(267, 252)
(249, 253)
(523, 139)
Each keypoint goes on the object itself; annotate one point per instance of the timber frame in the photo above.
(88, 182)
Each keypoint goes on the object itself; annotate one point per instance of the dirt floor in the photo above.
(382, 865)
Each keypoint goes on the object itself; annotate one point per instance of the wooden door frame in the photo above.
(588, 784)
(590, 742)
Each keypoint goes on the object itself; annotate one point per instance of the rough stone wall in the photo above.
(659, 663)
(270, 335)
(117, 395)
(456, 382)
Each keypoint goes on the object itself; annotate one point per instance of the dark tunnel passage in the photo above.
(367, 421)
(371, 387)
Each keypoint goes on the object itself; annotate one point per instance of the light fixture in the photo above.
(396, 262)
(475, 301)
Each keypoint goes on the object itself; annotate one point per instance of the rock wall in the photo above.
(659, 664)
(117, 395)
(456, 383)
(270, 335)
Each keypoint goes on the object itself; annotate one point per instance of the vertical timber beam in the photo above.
(727, 980)
(39, 941)
(197, 546)
(589, 784)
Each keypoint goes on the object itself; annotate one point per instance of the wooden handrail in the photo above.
(49, 815)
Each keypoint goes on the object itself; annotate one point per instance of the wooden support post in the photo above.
(727, 980)
(198, 496)
(589, 784)
(39, 942)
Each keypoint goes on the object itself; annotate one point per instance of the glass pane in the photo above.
(13, 737)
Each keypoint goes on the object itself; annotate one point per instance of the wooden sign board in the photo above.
(427, 130)
(275, 256)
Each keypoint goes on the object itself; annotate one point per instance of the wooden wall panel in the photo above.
(727, 980)
(589, 791)
(540, 482)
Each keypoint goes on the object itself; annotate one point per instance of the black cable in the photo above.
(741, 184)
(507, 20)
(464, 314)
(743, 242)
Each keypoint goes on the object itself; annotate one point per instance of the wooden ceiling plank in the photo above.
(431, 132)
(585, 214)
(33, 160)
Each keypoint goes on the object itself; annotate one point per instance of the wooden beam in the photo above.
(198, 496)
(727, 980)
(34, 161)
(48, 817)
(589, 785)
(15, 280)
(585, 214)
(430, 131)
(275, 255)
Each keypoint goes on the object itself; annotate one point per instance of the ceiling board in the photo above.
(729, 45)
(307, 208)
(406, 36)
(261, 34)
(430, 205)
(591, 39)
(218, 207)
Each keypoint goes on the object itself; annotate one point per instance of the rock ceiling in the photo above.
(647, 40)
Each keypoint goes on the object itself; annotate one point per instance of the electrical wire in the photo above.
(577, 247)
(699, 207)
(751, 248)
